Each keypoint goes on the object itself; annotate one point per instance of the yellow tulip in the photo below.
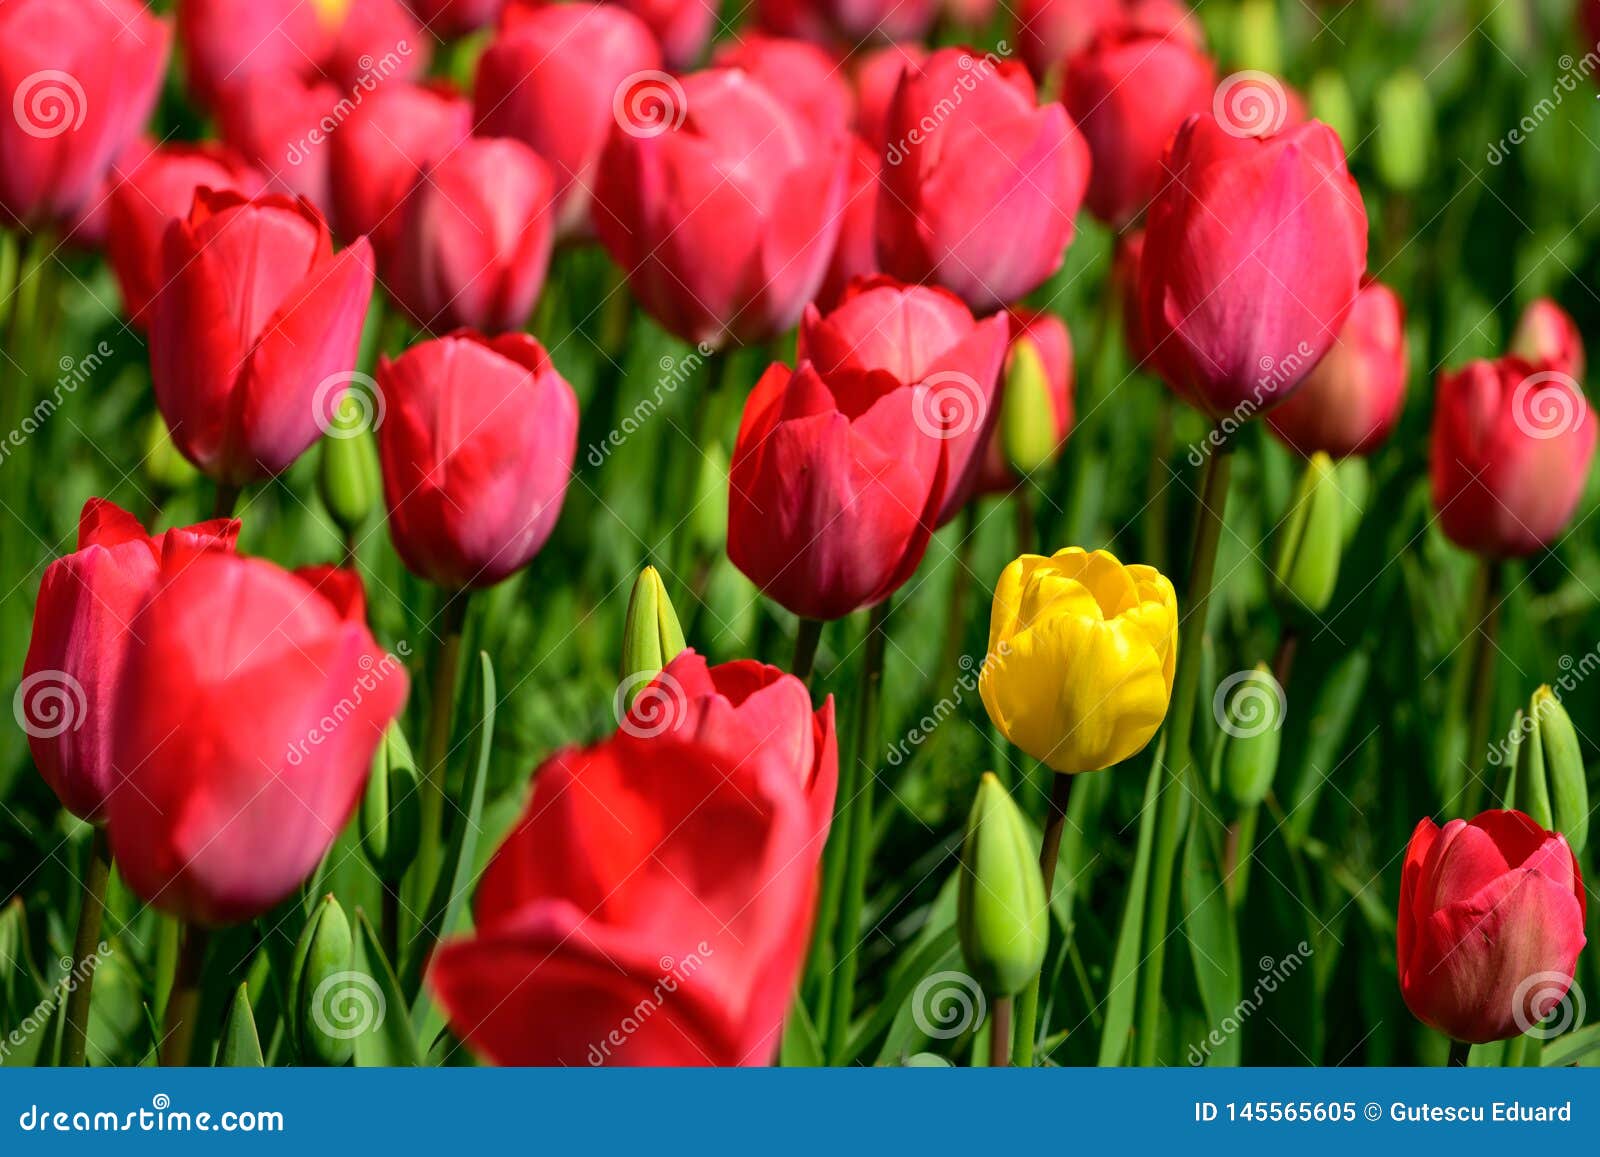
(1081, 654)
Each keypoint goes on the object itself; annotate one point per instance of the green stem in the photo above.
(441, 706)
(85, 949)
(805, 648)
(183, 1003)
(856, 814)
(960, 587)
(1049, 853)
(1153, 523)
(1485, 657)
(227, 497)
(1180, 729)
(1000, 1032)
(1459, 1052)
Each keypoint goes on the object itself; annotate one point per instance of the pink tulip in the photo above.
(1052, 31)
(682, 27)
(1547, 333)
(810, 78)
(285, 126)
(877, 80)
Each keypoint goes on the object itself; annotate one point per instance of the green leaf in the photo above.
(445, 910)
(388, 1039)
(241, 1044)
(1213, 938)
(1122, 988)
(802, 1047)
(1571, 1048)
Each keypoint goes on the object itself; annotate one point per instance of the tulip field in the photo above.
(889, 533)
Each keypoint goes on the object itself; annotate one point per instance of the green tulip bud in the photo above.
(1332, 104)
(651, 636)
(240, 1046)
(1027, 415)
(1307, 567)
(1403, 128)
(1252, 726)
(391, 819)
(1548, 781)
(1001, 912)
(348, 476)
(165, 467)
(1257, 39)
(927, 1061)
(322, 970)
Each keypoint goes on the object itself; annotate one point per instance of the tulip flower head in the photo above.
(1490, 925)
(251, 708)
(1050, 32)
(1546, 333)
(82, 631)
(1512, 445)
(1081, 657)
(256, 322)
(1253, 255)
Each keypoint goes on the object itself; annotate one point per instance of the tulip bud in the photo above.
(1332, 104)
(322, 962)
(1404, 127)
(1307, 567)
(390, 820)
(1547, 781)
(1027, 415)
(651, 636)
(166, 469)
(1253, 727)
(1002, 914)
(1257, 39)
(349, 478)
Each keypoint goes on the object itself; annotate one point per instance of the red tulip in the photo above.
(453, 18)
(550, 79)
(982, 202)
(1051, 31)
(972, 15)
(1547, 333)
(343, 588)
(921, 337)
(249, 714)
(877, 79)
(225, 42)
(380, 150)
(810, 78)
(654, 905)
(255, 317)
(855, 254)
(1490, 925)
(79, 80)
(81, 635)
(1254, 252)
(375, 42)
(153, 194)
(834, 488)
(474, 240)
(1351, 401)
(476, 446)
(721, 204)
(853, 21)
(1125, 280)
(1129, 93)
(284, 125)
(1053, 343)
(1512, 443)
(88, 227)
(682, 27)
